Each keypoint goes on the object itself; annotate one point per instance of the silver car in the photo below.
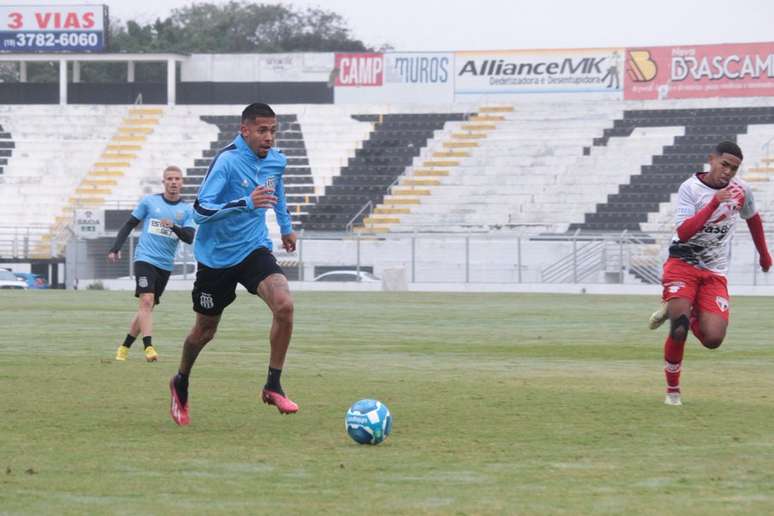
(9, 281)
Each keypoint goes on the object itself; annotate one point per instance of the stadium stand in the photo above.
(628, 208)
(486, 173)
(395, 141)
(6, 148)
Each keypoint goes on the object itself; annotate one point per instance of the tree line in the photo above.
(233, 27)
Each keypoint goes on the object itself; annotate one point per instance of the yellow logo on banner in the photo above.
(641, 67)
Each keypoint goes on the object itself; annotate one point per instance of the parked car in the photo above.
(32, 280)
(363, 276)
(8, 280)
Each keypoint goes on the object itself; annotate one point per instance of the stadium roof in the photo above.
(129, 58)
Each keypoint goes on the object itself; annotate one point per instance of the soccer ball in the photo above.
(368, 422)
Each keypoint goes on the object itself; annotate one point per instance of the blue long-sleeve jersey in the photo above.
(230, 227)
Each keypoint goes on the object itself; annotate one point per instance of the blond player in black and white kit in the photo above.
(695, 291)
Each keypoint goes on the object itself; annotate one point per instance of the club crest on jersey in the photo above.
(142, 282)
(722, 303)
(245, 183)
(179, 216)
(674, 286)
(206, 301)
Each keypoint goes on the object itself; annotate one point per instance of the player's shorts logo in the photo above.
(722, 303)
(674, 286)
(206, 302)
(142, 281)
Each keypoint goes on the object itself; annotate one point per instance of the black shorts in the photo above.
(215, 289)
(149, 279)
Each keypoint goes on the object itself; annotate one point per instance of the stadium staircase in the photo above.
(636, 199)
(6, 148)
(361, 185)
(299, 184)
(410, 188)
(98, 184)
(510, 168)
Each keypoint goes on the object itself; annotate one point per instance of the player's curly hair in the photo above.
(256, 110)
(729, 148)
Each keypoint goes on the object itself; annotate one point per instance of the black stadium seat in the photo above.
(704, 128)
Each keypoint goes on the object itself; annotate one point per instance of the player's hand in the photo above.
(725, 194)
(765, 262)
(166, 223)
(289, 242)
(114, 257)
(263, 197)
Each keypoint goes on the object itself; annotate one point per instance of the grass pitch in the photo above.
(502, 404)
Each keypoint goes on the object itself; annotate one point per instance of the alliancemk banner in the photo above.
(538, 71)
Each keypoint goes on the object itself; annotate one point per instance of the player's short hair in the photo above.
(256, 110)
(729, 148)
(174, 168)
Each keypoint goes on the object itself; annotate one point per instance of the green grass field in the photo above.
(502, 404)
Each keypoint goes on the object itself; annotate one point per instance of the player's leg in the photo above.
(203, 331)
(148, 302)
(122, 353)
(275, 292)
(679, 310)
(680, 283)
(214, 290)
(144, 288)
(712, 312)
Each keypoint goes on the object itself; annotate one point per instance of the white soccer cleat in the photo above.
(673, 398)
(658, 317)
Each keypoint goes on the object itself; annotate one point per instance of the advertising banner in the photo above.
(89, 223)
(693, 71)
(395, 77)
(295, 67)
(52, 28)
(538, 71)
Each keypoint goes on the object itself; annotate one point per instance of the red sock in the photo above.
(673, 362)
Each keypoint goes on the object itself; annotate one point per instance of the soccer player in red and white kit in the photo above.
(695, 293)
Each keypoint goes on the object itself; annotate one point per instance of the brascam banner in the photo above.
(538, 71)
(694, 71)
(52, 28)
(403, 77)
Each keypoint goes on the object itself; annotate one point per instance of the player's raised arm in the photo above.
(206, 207)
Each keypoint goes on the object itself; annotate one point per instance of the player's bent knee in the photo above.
(283, 310)
(679, 328)
(712, 342)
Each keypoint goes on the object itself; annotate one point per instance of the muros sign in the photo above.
(52, 28)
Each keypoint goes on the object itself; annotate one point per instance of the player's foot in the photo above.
(178, 389)
(658, 317)
(150, 354)
(122, 353)
(673, 398)
(283, 404)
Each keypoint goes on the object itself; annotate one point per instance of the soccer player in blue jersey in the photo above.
(166, 220)
(233, 246)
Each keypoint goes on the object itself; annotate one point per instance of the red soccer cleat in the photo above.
(177, 410)
(283, 404)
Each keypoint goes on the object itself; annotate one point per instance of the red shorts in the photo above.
(705, 290)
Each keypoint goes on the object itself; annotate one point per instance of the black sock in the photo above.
(146, 341)
(181, 387)
(128, 341)
(273, 380)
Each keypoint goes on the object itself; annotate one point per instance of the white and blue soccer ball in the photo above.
(368, 421)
